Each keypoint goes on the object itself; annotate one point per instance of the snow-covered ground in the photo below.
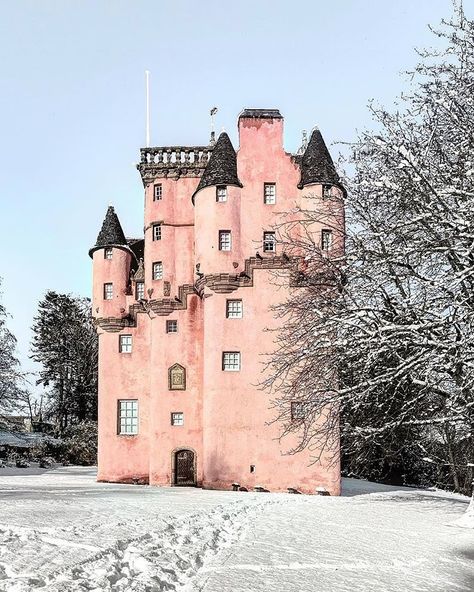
(62, 531)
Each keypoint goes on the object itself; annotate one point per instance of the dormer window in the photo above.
(157, 192)
(221, 193)
(225, 241)
(140, 290)
(269, 193)
(108, 253)
(327, 191)
(156, 232)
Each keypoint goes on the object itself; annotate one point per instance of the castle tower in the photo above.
(182, 337)
(112, 258)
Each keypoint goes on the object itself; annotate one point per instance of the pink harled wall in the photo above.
(227, 417)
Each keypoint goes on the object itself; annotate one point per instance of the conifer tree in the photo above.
(65, 344)
(12, 383)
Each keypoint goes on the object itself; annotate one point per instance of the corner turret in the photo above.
(317, 167)
(222, 166)
(111, 233)
(112, 260)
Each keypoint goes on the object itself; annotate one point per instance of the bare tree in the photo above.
(12, 380)
(383, 337)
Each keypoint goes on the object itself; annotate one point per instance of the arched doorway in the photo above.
(184, 467)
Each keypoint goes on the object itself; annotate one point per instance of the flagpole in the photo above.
(147, 84)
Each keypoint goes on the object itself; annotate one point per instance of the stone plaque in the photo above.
(177, 378)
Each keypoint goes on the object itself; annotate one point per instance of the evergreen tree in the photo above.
(65, 344)
(12, 383)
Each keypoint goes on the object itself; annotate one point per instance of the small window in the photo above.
(157, 270)
(172, 326)
(327, 191)
(140, 290)
(128, 416)
(221, 194)
(156, 232)
(298, 410)
(157, 192)
(269, 193)
(177, 418)
(269, 242)
(108, 291)
(231, 361)
(326, 239)
(108, 253)
(125, 344)
(234, 309)
(252, 468)
(225, 241)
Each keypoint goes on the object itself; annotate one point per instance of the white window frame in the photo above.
(298, 410)
(326, 239)
(269, 242)
(221, 193)
(157, 192)
(157, 234)
(108, 291)
(125, 343)
(269, 194)
(177, 418)
(108, 253)
(225, 240)
(139, 291)
(231, 361)
(127, 417)
(157, 270)
(234, 309)
(171, 326)
(327, 191)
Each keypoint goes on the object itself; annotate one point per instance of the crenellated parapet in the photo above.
(173, 161)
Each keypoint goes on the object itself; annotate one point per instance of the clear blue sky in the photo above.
(72, 104)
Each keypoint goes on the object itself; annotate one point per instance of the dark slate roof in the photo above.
(261, 113)
(222, 166)
(23, 439)
(316, 164)
(111, 233)
(138, 247)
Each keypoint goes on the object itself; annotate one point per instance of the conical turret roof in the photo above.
(222, 166)
(316, 164)
(111, 233)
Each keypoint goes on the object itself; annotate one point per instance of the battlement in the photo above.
(173, 161)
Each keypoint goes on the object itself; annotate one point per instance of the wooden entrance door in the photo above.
(184, 468)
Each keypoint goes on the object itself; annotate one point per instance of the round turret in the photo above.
(112, 259)
(217, 212)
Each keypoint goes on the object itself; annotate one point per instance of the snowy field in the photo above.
(60, 530)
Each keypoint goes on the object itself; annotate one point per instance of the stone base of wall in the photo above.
(129, 480)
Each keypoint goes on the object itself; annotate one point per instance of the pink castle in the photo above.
(181, 315)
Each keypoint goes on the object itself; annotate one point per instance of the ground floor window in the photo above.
(128, 416)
